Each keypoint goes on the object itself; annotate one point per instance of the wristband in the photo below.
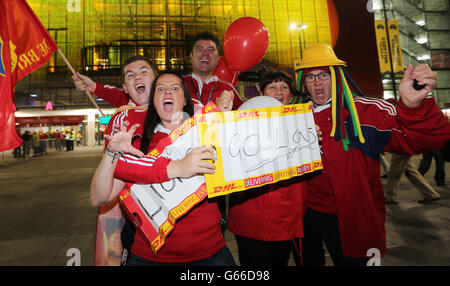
(113, 155)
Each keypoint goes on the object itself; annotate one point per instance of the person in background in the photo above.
(425, 162)
(401, 163)
(203, 85)
(36, 144)
(79, 137)
(267, 223)
(138, 74)
(26, 143)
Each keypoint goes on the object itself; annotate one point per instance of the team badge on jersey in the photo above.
(2, 65)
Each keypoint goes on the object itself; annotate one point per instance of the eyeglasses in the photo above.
(309, 78)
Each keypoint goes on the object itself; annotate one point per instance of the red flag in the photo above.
(25, 45)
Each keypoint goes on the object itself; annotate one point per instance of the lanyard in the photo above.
(198, 94)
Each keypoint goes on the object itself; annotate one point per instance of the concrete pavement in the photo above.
(45, 212)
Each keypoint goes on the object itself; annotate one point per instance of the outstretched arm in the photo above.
(104, 187)
(419, 125)
(112, 95)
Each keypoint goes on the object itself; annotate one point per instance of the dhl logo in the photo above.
(291, 109)
(226, 188)
(317, 164)
(247, 114)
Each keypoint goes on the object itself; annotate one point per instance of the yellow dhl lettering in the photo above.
(154, 153)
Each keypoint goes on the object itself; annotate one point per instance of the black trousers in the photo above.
(322, 228)
(254, 252)
(425, 162)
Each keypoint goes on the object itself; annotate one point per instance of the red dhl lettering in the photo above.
(247, 114)
(290, 109)
(226, 188)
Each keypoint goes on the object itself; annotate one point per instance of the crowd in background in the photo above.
(38, 143)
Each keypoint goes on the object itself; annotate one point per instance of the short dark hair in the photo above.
(136, 58)
(206, 36)
(275, 75)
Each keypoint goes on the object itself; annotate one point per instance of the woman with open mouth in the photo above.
(197, 239)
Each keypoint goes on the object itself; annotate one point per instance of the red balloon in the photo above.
(245, 43)
(224, 73)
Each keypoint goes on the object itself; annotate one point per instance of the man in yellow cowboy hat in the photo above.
(345, 201)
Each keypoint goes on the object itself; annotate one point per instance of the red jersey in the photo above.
(268, 213)
(201, 93)
(197, 235)
(134, 115)
(350, 180)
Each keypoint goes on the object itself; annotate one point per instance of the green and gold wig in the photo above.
(343, 89)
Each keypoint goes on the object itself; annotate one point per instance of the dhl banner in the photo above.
(261, 146)
(155, 208)
(383, 48)
(254, 147)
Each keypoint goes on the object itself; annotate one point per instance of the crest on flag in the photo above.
(2, 65)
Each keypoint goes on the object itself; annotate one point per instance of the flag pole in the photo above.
(73, 72)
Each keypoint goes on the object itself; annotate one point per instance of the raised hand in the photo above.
(121, 139)
(83, 83)
(424, 76)
(225, 100)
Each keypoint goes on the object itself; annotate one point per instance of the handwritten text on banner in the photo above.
(260, 146)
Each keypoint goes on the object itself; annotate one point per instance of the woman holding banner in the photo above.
(267, 223)
(197, 239)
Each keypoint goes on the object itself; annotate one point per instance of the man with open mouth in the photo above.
(203, 85)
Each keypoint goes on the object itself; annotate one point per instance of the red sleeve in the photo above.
(112, 95)
(146, 170)
(420, 129)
